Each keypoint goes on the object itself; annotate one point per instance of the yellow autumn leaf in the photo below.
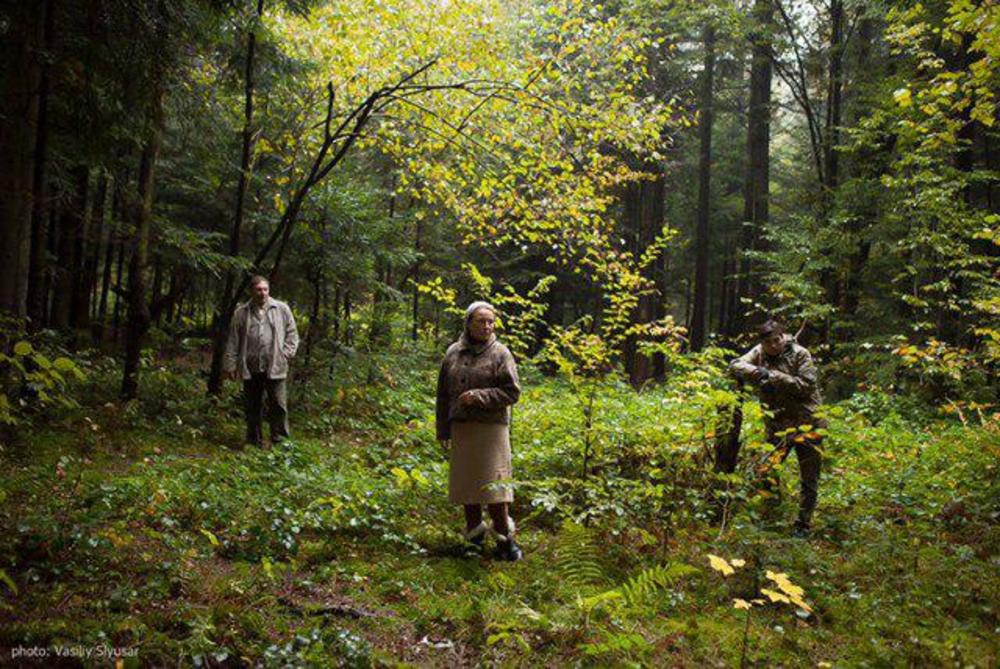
(737, 562)
(903, 97)
(786, 586)
(720, 565)
(791, 589)
(801, 603)
(742, 604)
(775, 596)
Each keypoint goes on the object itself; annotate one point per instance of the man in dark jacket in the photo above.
(785, 377)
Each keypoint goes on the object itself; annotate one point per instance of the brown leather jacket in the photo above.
(792, 389)
(486, 369)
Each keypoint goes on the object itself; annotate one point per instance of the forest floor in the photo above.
(150, 530)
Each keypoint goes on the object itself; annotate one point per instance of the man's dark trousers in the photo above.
(254, 390)
(808, 453)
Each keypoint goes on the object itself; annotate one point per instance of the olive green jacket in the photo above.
(791, 391)
(488, 370)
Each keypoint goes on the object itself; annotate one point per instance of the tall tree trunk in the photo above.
(650, 221)
(314, 325)
(119, 285)
(80, 302)
(72, 220)
(831, 135)
(20, 97)
(94, 258)
(336, 313)
(757, 182)
(37, 298)
(348, 330)
(52, 245)
(157, 288)
(139, 316)
(724, 292)
(834, 96)
(631, 214)
(867, 211)
(224, 315)
(418, 233)
(171, 306)
(699, 309)
(109, 257)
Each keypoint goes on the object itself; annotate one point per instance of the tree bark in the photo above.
(82, 243)
(139, 315)
(834, 96)
(19, 117)
(831, 140)
(699, 308)
(650, 220)
(631, 214)
(37, 298)
(101, 217)
(224, 315)
(348, 330)
(869, 163)
(756, 197)
(417, 239)
(314, 325)
(72, 221)
(119, 290)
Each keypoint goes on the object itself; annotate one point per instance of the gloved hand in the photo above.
(761, 375)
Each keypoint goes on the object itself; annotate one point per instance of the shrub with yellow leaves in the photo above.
(785, 592)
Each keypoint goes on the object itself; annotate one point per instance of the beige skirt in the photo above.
(480, 455)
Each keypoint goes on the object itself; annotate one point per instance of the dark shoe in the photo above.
(508, 551)
(801, 531)
(474, 538)
(474, 546)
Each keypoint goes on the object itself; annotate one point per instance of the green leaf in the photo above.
(211, 537)
(401, 476)
(64, 364)
(23, 348)
(8, 581)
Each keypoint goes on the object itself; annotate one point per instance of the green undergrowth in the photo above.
(148, 526)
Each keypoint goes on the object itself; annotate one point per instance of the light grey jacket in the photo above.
(284, 342)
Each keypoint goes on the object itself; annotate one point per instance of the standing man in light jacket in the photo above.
(786, 381)
(262, 339)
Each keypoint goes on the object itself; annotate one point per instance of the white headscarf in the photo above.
(477, 347)
(474, 307)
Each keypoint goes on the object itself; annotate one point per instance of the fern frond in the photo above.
(576, 556)
(644, 585)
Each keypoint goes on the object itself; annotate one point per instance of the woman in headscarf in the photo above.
(476, 386)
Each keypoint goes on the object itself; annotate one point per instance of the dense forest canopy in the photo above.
(692, 166)
(636, 185)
